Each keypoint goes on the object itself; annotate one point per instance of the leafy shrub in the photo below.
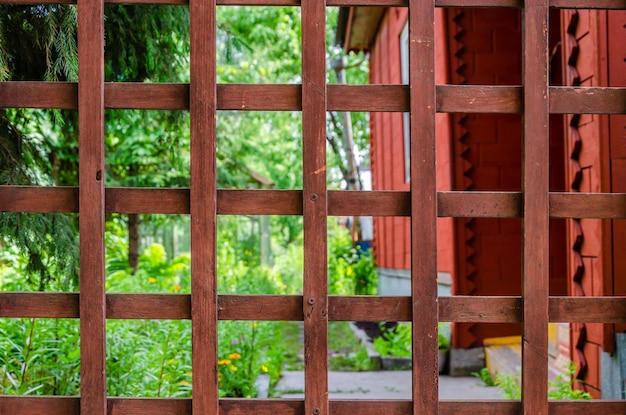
(485, 376)
(350, 269)
(39, 357)
(561, 388)
(397, 341)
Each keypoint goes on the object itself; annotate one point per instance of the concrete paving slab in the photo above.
(385, 385)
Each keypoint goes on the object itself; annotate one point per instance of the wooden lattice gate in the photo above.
(203, 201)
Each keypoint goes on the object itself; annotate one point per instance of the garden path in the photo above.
(384, 385)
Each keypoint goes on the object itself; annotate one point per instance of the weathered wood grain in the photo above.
(203, 205)
(588, 205)
(535, 187)
(561, 4)
(39, 305)
(479, 99)
(369, 308)
(485, 309)
(315, 207)
(392, 98)
(389, 98)
(16, 94)
(149, 96)
(259, 202)
(148, 306)
(589, 4)
(147, 200)
(588, 309)
(259, 97)
(587, 100)
(36, 199)
(423, 177)
(480, 204)
(91, 206)
(369, 203)
(28, 405)
(39, 405)
(261, 307)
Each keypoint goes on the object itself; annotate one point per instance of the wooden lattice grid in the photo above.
(203, 201)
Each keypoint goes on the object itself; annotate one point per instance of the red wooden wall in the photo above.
(486, 50)
(475, 152)
(483, 152)
(597, 163)
(392, 235)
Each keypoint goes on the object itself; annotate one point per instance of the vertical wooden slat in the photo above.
(536, 208)
(314, 207)
(203, 207)
(91, 206)
(423, 206)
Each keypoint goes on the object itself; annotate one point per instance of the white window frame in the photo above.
(404, 61)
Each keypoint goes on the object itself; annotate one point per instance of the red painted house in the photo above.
(482, 256)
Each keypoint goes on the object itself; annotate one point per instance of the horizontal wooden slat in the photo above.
(36, 199)
(588, 205)
(369, 308)
(588, 309)
(149, 96)
(480, 204)
(39, 405)
(38, 305)
(62, 95)
(29, 405)
(255, 202)
(329, 3)
(588, 4)
(604, 407)
(145, 406)
(479, 99)
(588, 100)
(146, 200)
(370, 203)
(256, 307)
(562, 4)
(394, 98)
(259, 97)
(485, 309)
(148, 306)
(446, 407)
(390, 98)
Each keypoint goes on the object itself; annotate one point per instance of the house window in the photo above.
(404, 60)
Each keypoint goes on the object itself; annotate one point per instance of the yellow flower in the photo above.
(263, 368)
(171, 361)
(223, 362)
(177, 288)
(151, 280)
(234, 355)
(233, 368)
(183, 382)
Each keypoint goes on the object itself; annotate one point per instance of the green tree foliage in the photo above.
(149, 43)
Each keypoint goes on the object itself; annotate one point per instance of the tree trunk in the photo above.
(133, 241)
